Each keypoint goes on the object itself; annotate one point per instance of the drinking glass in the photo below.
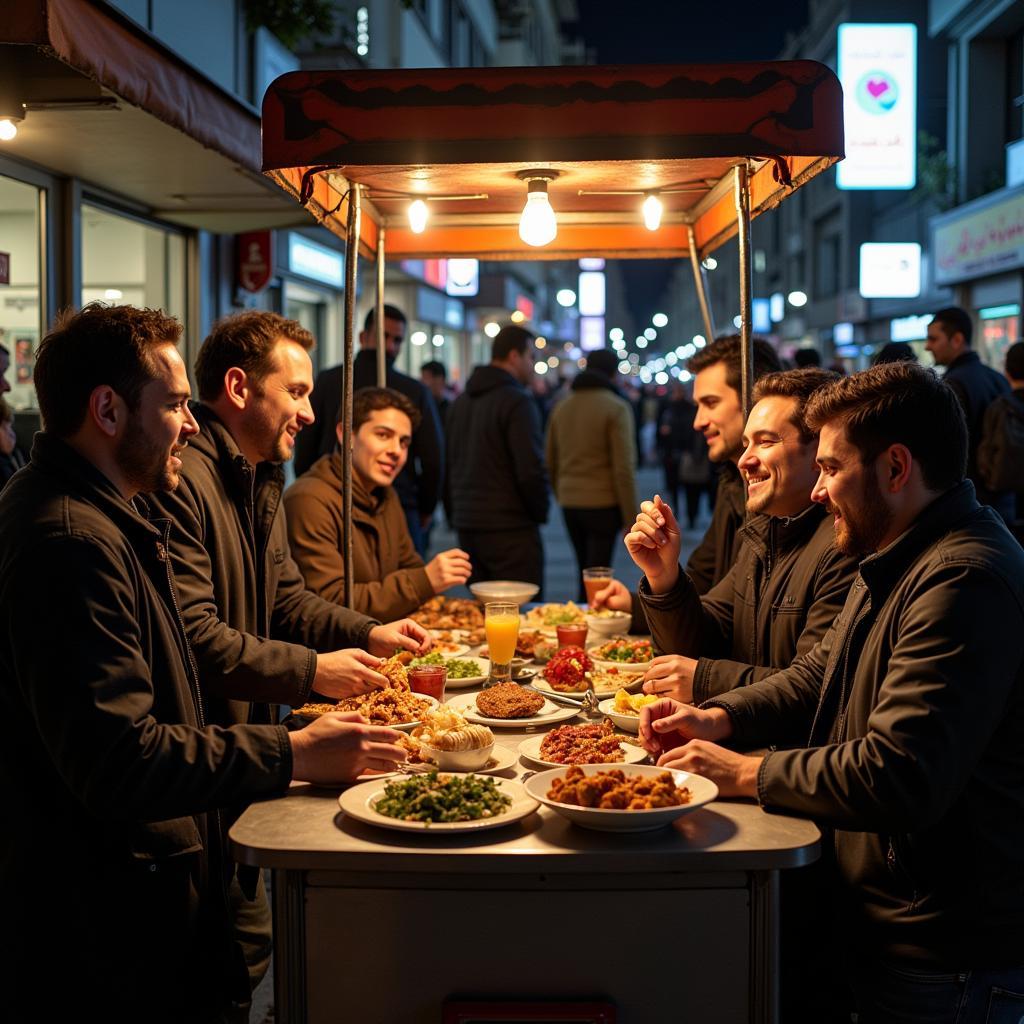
(596, 578)
(428, 679)
(574, 635)
(501, 623)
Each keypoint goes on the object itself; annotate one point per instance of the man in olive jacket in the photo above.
(114, 879)
(788, 582)
(910, 709)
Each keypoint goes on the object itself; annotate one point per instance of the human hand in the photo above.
(654, 542)
(671, 675)
(402, 633)
(615, 596)
(667, 723)
(734, 774)
(448, 569)
(341, 674)
(339, 746)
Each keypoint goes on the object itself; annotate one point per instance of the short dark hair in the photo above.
(1015, 361)
(603, 360)
(368, 400)
(953, 319)
(806, 357)
(798, 384)
(511, 338)
(894, 352)
(898, 403)
(727, 350)
(435, 368)
(390, 313)
(98, 345)
(245, 340)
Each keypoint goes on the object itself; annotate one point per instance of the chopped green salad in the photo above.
(458, 668)
(441, 798)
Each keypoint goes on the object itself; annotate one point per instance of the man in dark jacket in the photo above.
(788, 581)
(419, 484)
(114, 779)
(496, 488)
(716, 390)
(911, 709)
(975, 384)
(259, 635)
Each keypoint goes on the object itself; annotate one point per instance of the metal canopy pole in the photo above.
(700, 281)
(741, 183)
(351, 270)
(378, 316)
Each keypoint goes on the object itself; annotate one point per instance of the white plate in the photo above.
(530, 749)
(358, 802)
(450, 649)
(702, 791)
(549, 714)
(461, 684)
(600, 690)
(501, 760)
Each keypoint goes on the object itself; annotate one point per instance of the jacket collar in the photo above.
(367, 500)
(964, 359)
(881, 570)
(591, 380)
(217, 444)
(782, 533)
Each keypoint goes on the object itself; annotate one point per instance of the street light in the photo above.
(798, 299)
(565, 297)
(490, 329)
(659, 320)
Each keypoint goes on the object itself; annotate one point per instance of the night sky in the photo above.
(680, 32)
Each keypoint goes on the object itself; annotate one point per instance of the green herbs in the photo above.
(441, 798)
(625, 651)
(458, 668)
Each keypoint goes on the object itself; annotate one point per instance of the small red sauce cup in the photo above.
(428, 679)
(572, 636)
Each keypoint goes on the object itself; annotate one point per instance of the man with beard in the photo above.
(788, 582)
(259, 636)
(910, 712)
(111, 774)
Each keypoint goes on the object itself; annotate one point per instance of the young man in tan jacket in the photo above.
(390, 579)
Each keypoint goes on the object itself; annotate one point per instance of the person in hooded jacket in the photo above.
(592, 461)
(496, 491)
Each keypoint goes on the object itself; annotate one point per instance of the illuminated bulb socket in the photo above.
(652, 210)
(417, 216)
(537, 225)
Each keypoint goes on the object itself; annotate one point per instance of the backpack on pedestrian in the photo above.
(1001, 449)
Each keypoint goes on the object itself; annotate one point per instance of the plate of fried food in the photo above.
(624, 708)
(593, 743)
(438, 802)
(449, 613)
(545, 617)
(508, 705)
(634, 653)
(634, 798)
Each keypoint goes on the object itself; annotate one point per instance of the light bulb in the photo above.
(417, 216)
(8, 129)
(652, 210)
(798, 298)
(537, 225)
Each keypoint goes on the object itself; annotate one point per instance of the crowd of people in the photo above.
(856, 609)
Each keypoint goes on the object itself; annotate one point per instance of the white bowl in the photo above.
(504, 590)
(630, 723)
(609, 625)
(702, 791)
(459, 760)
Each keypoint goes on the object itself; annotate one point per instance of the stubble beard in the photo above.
(145, 464)
(862, 534)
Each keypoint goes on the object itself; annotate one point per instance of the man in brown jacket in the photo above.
(390, 579)
(910, 712)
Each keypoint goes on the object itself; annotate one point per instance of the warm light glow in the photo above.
(616, 334)
(537, 225)
(565, 297)
(490, 329)
(418, 337)
(553, 362)
(540, 342)
(417, 216)
(652, 210)
(624, 366)
(113, 294)
(437, 340)
(709, 263)
(540, 368)
(518, 316)
(798, 299)
(8, 129)
(659, 320)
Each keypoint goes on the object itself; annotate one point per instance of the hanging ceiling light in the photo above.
(652, 210)
(417, 216)
(537, 225)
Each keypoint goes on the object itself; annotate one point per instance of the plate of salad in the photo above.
(636, 653)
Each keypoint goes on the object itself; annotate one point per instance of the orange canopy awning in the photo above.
(611, 134)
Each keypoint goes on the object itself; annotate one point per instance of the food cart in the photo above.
(651, 161)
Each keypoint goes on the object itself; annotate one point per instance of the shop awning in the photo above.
(611, 134)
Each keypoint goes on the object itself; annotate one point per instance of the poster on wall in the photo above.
(24, 358)
(878, 72)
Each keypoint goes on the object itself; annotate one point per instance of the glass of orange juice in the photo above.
(501, 623)
(596, 578)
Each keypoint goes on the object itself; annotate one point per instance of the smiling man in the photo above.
(909, 713)
(788, 582)
(390, 579)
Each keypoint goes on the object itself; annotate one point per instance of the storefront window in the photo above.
(1000, 328)
(126, 261)
(21, 301)
(316, 310)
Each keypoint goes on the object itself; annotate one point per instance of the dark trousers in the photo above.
(505, 555)
(593, 532)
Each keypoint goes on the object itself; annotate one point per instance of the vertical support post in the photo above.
(701, 283)
(378, 316)
(351, 274)
(741, 183)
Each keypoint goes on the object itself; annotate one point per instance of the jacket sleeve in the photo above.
(232, 665)
(623, 458)
(526, 448)
(683, 622)
(91, 697)
(944, 694)
(832, 584)
(428, 451)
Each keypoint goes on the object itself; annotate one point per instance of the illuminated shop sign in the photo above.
(890, 270)
(983, 237)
